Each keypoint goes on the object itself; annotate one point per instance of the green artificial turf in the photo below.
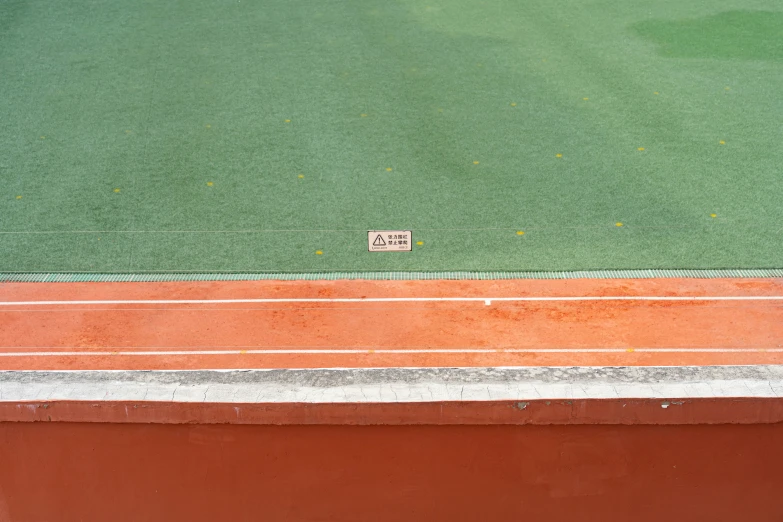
(241, 135)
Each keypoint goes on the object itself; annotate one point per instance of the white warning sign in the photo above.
(389, 240)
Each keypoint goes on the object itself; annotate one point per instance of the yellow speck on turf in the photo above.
(128, 132)
(288, 121)
(419, 243)
(388, 169)
(116, 190)
(520, 232)
(440, 110)
(18, 197)
(209, 183)
(301, 176)
(319, 253)
(475, 162)
(558, 155)
(656, 93)
(208, 126)
(727, 88)
(363, 115)
(713, 215)
(43, 137)
(585, 99)
(618, 224)
(640, 148)
(722, 142)
(513, 104)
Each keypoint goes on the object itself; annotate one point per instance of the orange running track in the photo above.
(337, 324)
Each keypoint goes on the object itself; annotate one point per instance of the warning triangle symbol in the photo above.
(379, 241)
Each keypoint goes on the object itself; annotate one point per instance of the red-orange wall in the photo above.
(117, 472)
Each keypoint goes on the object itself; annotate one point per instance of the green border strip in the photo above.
(72, 277)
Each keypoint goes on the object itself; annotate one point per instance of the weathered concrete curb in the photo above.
(400, 396)
(393, 385)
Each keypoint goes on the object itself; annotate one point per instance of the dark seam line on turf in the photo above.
(316, 230)
(162, 276)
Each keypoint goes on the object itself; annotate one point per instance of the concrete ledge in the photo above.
(392, 385)
(400, 395)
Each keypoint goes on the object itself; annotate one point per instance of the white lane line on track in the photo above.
(385, 351)
(485, 300)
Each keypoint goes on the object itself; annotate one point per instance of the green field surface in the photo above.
(271, 135)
